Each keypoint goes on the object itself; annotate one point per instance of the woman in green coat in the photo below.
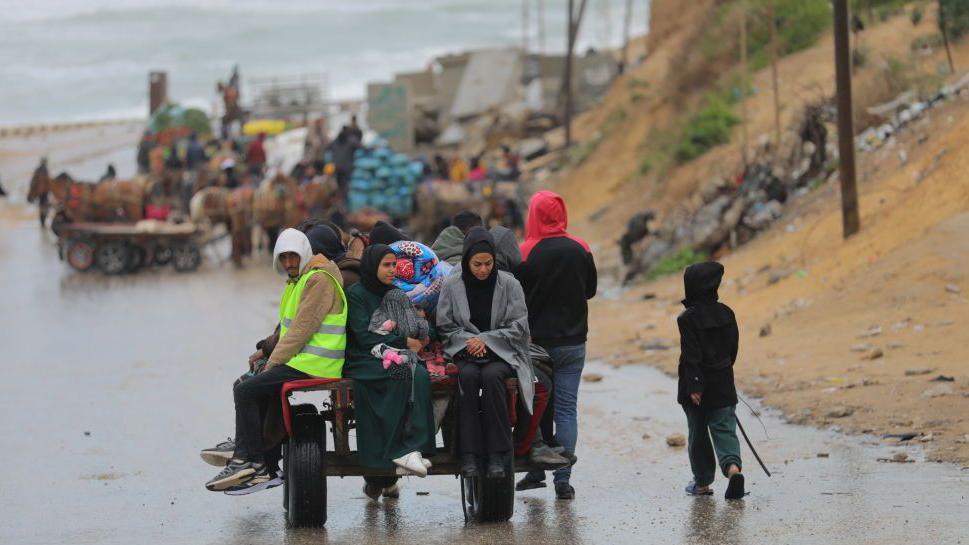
(391, 431)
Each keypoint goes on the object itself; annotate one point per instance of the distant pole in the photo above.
(846, 132)
(626, 22)
(541, 26)
(743, 78)
(573, 30)
(525, 26)
(772, 21)
(945, 36)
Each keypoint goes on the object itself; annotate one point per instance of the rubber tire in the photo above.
(491, 500)
(186, 257)
(79, 254)
(112, 257)
(302, 408)
(306, 473)
(163, 255)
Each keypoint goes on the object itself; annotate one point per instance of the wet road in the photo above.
(112, 385)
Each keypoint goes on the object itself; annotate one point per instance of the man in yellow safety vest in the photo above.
(312, 339)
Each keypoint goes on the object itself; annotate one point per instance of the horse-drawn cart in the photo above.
(308, 462)
(117, 248)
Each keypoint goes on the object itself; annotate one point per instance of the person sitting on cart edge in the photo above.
(709, 339)
(312, 340)
(392, 406)
(482, 316)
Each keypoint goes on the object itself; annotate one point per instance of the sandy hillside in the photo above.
(863, 334)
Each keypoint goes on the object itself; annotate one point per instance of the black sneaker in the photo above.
(220, 454)
(564, 491)
(529, 484)
(262, 480)
(735, 487)
(236, 473)
(372, 491)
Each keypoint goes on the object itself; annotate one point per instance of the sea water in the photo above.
(66, 60)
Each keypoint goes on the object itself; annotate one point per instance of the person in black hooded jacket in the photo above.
(709, 338)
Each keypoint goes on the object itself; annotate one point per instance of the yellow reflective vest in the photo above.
(323, 354)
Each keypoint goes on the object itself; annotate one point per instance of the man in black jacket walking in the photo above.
(558, 275)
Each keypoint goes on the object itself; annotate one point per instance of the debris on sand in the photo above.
(952, 288)
(943, 378)
(592, 377)
(872, 331)
(840, 412)
(863, 347)
(916, 371)
(765, 330)
(676, 440)
(937, 391)
(823, 455)
(873, 354)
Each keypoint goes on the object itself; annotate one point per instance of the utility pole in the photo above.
(945, 36)
(772, 21)
(541, 26)
(743, 78)
(573, 30)
(846, 131)
(626, 22)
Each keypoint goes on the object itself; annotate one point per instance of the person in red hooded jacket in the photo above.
(558, 276)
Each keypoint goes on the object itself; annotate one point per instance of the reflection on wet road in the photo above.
(112, 385)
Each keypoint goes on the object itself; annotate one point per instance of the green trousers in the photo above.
(711, 430)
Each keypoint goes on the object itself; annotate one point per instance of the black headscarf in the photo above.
(385, 233)
(369, 263)
(481, 293)
(324, 240)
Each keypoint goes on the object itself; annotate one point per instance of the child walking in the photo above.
(708, 349)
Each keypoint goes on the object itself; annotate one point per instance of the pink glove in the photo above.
(392, 357)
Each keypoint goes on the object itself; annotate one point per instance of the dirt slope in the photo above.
(904, 274)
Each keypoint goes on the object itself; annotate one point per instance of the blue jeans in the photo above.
(567, 364)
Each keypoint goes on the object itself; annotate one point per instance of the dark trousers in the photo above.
(252, 397)
(485, 427)
(711, 431)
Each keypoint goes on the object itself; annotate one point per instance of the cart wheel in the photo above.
(186, 257)
(306, 472)
(112, 257)
(163, 255)
(303, 408)
(137, 258)
(491, 500)
(80, 254)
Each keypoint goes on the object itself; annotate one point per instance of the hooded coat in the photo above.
(709, 340)
(507, 254)
(320, 296)
(449, 245)
(557, 273)
(508, 338)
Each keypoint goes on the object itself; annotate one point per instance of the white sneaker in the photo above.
(427, 463)
(412, 464)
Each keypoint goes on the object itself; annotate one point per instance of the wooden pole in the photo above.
(846, 131)
(573, 30)
(945, 36)
(626, 23)
(772, 21)
(743, 78)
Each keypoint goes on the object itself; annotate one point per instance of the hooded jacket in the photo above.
(320, 296)
(507, 254)
(709, 340)
(557, 273)
(449, 245)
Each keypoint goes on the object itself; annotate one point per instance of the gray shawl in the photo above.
(509, 336)
(398, 307)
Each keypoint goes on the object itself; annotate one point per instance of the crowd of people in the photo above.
(501, 311)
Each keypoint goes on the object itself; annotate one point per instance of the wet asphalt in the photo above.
(112, 385)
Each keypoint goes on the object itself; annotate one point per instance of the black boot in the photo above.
(496, 466)
(469, 466)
